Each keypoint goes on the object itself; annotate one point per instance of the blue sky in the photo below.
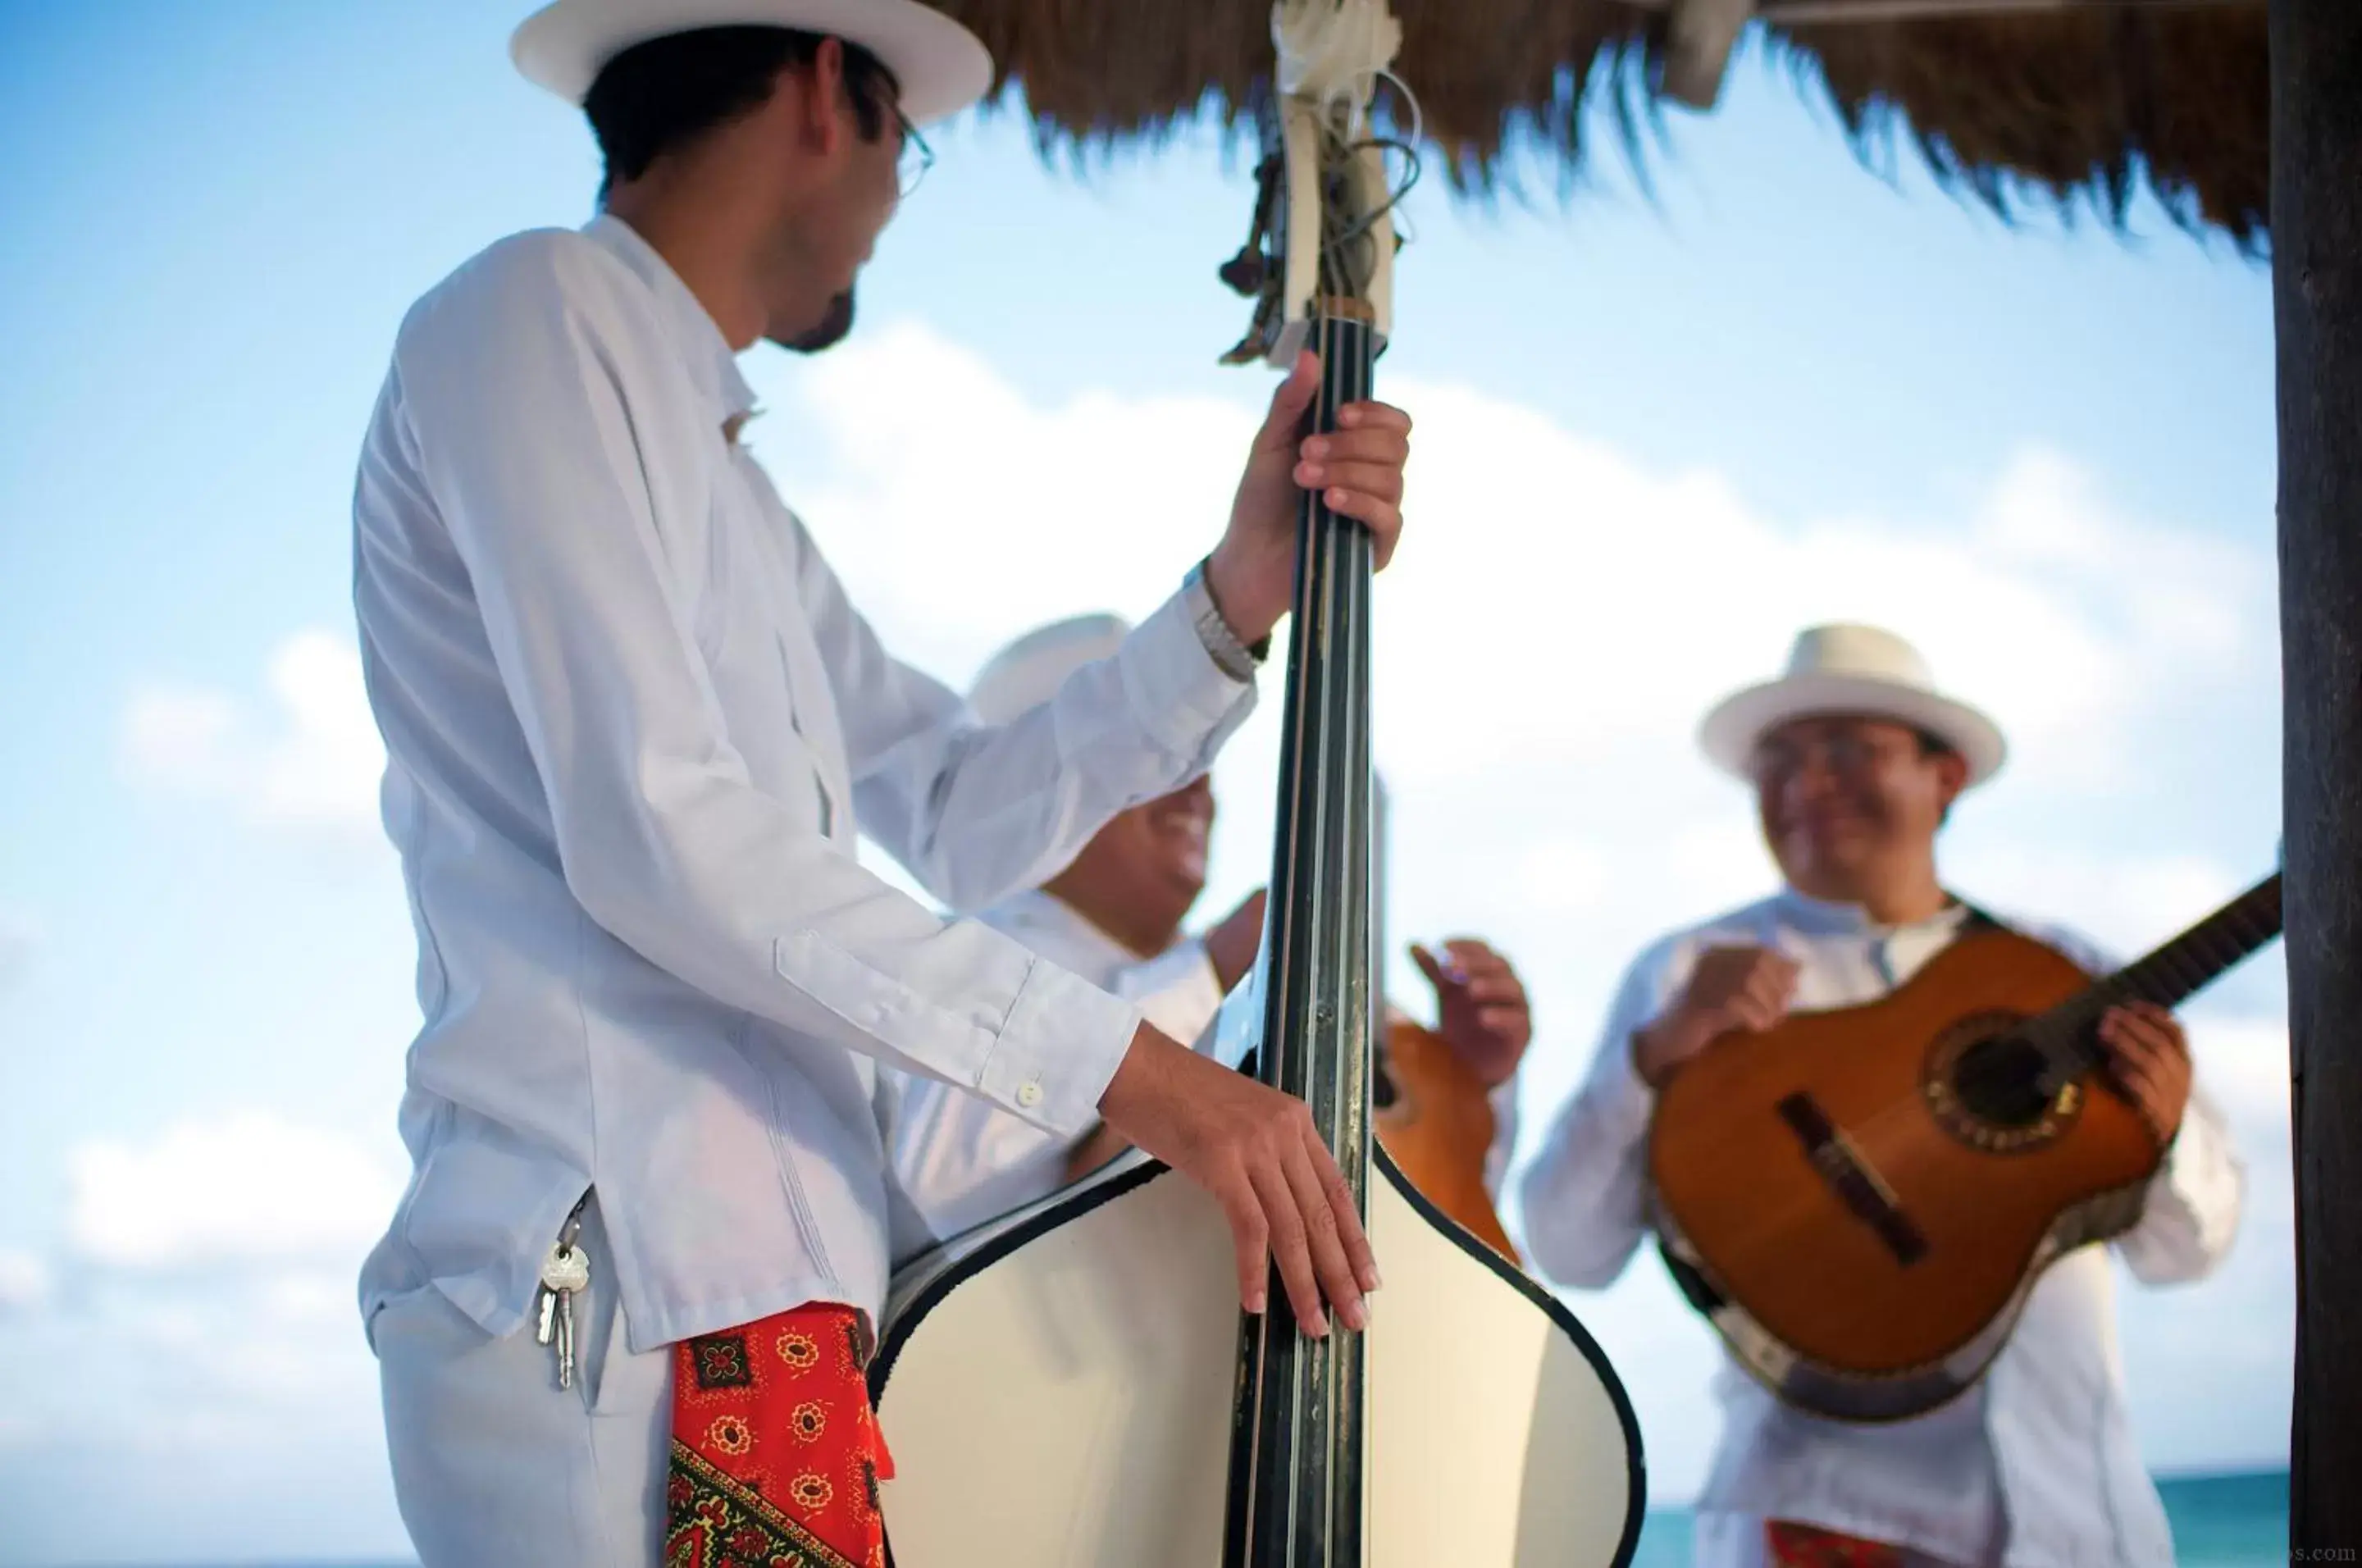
(1656, 435)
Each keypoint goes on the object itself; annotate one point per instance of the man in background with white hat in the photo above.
(630, 716)
(1114, 916)
(1856, 759)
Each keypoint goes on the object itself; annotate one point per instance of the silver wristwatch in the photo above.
(1233, 657)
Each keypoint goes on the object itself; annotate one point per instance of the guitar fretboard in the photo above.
(2173, 972)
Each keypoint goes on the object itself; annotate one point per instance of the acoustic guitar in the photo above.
(1861, 1199)
(1433, 1116)
(1435, 1119)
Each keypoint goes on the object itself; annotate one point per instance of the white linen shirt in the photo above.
(629, 718)
(2034, 1467)
(961, 1159)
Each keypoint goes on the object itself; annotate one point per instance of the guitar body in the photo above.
(1440, 1129)
(1860, 1214)
(1057, 1390)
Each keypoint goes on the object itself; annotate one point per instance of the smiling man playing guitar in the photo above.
(1113, 915)
(1856, 761)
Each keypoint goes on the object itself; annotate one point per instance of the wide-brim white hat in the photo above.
(1850, 670)
(940, 67)
(1030, 670)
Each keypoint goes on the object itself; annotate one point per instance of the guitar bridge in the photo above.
(1852, 1177)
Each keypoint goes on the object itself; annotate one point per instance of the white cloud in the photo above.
(242, 1188)
(23, 1282)
(199, 1330)
(2243, 1063)
(18, 941)
(312, 759)
(958, 535)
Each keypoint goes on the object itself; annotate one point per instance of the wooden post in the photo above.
(2317, 218)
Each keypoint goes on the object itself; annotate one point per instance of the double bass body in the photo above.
(1059, 1392)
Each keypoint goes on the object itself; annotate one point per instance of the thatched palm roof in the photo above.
(2074, 105)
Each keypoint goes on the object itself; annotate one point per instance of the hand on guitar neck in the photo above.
(1257, 1151)
(2149, 1056)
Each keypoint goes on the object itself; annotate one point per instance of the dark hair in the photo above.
(662, 95)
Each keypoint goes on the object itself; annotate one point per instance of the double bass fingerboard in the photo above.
(1296, 1484)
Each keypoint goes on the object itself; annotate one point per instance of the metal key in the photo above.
(564, 1272)
(566, 1339)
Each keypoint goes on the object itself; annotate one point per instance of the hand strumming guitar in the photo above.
(2150, 1055)
(1732, 988)
(1480, 1008)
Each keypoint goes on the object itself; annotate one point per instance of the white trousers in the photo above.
(494, 1466)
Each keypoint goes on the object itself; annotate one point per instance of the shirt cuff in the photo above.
(1061, 1045)
(1623, 1099)
(1179, 694)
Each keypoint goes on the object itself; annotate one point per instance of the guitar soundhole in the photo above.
(1991, 1087)
(1999, 1081)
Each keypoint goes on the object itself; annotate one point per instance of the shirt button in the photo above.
(1029, 1093)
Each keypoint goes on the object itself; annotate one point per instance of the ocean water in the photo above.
(2234, 1520)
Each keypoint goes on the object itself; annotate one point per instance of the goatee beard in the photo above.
(825, 332)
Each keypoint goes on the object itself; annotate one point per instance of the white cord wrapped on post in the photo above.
(1335, 50)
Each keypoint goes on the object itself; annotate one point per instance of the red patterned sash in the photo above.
(1793, 1545)
(776, 1452)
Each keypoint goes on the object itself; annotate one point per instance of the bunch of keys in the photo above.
(566, 1270)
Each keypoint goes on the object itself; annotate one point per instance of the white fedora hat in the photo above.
(1031, 670)
(1848, 668)
(940, 67)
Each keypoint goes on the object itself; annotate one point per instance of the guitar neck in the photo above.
(2183, 966)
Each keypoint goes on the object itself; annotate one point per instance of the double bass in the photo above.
(1075, 1385)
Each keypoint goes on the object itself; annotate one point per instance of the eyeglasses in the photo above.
(1844, 753)
(910, 165)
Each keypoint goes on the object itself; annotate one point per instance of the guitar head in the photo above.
(1323, 233)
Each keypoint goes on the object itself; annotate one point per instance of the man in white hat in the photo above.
(630, 719)
(1856, 759)
(1114, 915)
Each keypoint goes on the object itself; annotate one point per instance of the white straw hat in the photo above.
(1031, 670)
(1848, 668)
(940, 66)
